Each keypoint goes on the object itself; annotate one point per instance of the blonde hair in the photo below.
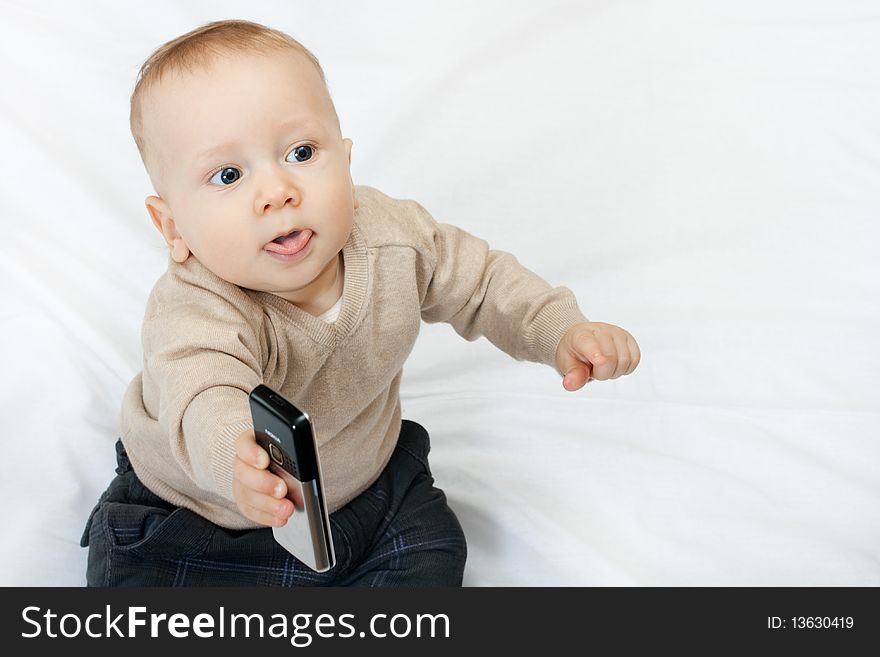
(197, 49)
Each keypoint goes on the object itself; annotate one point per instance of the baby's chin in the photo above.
(292, 286)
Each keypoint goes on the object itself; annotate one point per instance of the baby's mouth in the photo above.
(290, 244)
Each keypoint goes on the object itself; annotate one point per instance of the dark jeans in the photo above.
(398, 532)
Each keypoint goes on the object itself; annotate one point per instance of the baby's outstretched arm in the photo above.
(259, 494)
(595, 350)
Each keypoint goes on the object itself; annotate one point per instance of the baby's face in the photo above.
(249, 151)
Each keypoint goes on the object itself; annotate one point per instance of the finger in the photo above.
(635, 352)
(262, 503)
(606, 361)
(247, 449)
(623, 357)
(258, 480)
(576, 377)
(246, 500)
(586, 356)
(262, 517)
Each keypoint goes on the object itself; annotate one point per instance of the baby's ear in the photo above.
(348, 143)
(158, 209)
(161, 216)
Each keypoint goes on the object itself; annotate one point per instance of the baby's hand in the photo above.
(259, 494)
(594, 350)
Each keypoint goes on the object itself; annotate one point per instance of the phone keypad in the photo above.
(278, 455)
(288, 464)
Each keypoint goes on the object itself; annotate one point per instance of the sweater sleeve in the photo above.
(485, 292)
(202, 356)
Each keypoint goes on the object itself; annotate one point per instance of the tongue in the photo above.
(290, 244)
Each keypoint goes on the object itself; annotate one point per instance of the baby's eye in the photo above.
(228, 175)
(302, 153)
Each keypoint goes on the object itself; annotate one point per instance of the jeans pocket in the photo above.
(147, 531)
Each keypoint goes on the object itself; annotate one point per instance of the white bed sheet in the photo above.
(704, 174)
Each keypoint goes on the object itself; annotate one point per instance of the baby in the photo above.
(282, 271)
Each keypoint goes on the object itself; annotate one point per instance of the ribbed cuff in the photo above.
(223, 456)
(549, 327)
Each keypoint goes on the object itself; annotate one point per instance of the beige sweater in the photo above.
(207, 343)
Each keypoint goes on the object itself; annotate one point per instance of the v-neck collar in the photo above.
(354, 294)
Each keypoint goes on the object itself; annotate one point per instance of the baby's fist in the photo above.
(260, 495)
(595, 350)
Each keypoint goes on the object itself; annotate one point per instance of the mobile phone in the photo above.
(287, 435)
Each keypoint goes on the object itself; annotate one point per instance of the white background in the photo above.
(705, 174)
